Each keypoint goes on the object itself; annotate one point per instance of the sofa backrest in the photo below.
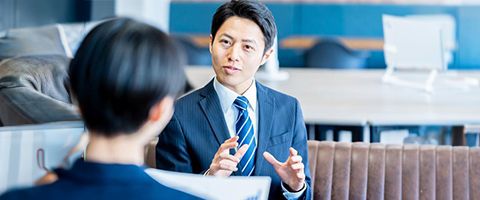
(34, 89)
(378, 171)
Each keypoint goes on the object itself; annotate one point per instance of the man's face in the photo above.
(237, 53)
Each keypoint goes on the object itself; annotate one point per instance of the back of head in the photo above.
(252, 10)
(120, 71)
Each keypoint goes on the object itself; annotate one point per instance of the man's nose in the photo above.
(234, 53)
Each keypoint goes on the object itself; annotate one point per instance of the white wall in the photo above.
(154, 12)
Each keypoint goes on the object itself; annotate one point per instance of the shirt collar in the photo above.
(227, 96)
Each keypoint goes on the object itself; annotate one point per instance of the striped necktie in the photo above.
(244, 128)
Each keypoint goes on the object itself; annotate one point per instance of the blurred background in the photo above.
(358, 23)
(317, 34)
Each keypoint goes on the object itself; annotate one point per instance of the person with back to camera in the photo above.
(234, 125)
(124, 77)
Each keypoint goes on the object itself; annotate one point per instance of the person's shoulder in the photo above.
(13, 194)
(190, 101)
(35, 192)
(187, 103)
(193, 96)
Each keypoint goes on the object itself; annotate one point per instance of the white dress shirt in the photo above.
(230, 112)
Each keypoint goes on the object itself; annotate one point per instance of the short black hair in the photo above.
(121, 70)
(252, 10)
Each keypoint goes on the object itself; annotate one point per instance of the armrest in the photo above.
(23, 105)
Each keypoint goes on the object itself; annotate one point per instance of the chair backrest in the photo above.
(329, 53)
(378, 171)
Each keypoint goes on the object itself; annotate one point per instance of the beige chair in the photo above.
(378, 171)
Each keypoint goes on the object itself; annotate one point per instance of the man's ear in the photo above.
(160, 109)
(210, 43)
(266, 56)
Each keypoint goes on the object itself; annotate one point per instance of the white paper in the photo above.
(209, 187)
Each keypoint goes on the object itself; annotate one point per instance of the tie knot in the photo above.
(241, 102)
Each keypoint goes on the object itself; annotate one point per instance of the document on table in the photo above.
(209, 187)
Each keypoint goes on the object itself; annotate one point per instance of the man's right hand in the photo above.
(224, 164)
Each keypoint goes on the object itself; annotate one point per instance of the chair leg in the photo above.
(458, 137)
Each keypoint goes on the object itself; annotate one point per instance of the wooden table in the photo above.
(306, 42)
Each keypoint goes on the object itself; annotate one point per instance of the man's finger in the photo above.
(232, 139)
(269, 157)
(228, 165)
(229, 157)
(293, 152)
(296, 159)
(226, 146)
(301, 175)
(241, 151)
(297, 166)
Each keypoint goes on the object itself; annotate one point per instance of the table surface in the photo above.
(359, 97)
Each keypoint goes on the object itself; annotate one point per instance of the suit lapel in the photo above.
(210, 105)
(266, 109)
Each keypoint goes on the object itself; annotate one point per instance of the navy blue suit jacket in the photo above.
(87, 180)
(198, 128)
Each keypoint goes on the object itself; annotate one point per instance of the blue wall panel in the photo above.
(469, 34)
(348, 20)
(194, 18)
(320, 20)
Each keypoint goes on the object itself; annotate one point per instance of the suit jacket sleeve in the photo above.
(300, 144)
(171, 150)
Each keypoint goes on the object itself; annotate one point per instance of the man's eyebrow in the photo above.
(226, 35)
(243, 40)
(249, 41)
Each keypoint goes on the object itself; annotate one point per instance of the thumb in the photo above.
(269, 157)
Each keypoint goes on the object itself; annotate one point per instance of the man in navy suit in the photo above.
(235, 125)
(125, 77)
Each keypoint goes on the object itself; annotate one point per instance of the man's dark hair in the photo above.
(252, 10)
(120, 71)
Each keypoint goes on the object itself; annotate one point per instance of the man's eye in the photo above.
(249, 48)
(226, 42)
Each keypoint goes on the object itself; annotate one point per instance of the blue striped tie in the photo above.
(244, 128)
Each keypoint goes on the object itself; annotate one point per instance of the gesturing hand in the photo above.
(291, 171)
(223, 164)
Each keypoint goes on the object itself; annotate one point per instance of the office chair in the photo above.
(330, 53)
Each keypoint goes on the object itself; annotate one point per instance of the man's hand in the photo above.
(224, 164)
(291, 171)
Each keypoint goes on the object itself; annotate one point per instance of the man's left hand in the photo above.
(291, 171)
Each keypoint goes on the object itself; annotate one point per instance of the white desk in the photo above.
(339, 97)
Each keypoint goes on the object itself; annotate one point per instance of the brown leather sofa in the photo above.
(379, 171)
